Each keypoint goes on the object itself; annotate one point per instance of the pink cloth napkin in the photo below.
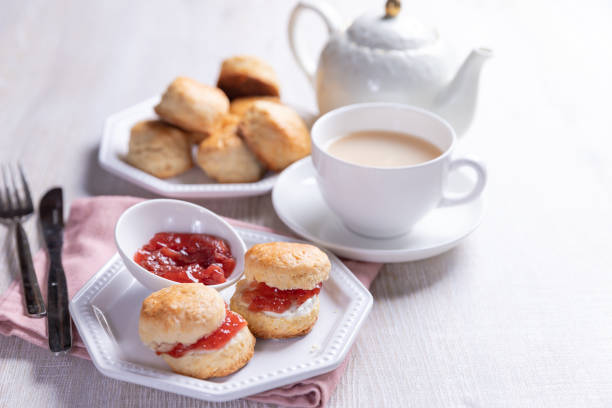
(88, 245)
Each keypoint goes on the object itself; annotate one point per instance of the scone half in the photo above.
(297, 321)
(216, 363)
(287, 265)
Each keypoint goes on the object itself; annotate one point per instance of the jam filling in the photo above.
(261, 297)
(231, 325)
(187, 258)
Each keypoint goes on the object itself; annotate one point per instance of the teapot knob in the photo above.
(392, 8)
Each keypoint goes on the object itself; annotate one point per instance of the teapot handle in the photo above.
(331, 20)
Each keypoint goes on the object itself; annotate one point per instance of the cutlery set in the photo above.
(15, 207)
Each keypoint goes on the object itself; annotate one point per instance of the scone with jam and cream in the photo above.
(191, 328)
(280, 296)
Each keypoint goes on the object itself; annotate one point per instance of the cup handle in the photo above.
(481, 180)
(331, 20)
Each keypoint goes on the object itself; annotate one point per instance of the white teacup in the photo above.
(386, 202)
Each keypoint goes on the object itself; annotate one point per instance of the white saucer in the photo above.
(299, 204)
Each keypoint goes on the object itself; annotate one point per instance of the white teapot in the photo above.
(392, 58)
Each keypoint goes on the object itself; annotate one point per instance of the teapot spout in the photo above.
(457, 101)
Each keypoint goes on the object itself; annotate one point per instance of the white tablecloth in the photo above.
(518, 315)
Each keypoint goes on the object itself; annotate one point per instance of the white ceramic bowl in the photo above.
(139, 223)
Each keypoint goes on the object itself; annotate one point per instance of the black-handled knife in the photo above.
(59, 324)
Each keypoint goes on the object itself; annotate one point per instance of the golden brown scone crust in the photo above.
(197, 137)
(275, 133)
(239, 106)
(181, 313)
(225, 157)
(159, 149)
(192, 105)
(268, 327)
(245, 75)
(222, 362)
(286, 265)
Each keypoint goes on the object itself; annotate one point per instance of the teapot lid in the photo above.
(390, 31)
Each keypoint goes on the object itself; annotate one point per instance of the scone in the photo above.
(245, 75)
(280, 295)
(275, 133)
(159, 149)
(193, 106)
(239, 106)
(225, 157)
(192, 329)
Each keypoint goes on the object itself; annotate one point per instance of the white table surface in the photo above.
(519, 315)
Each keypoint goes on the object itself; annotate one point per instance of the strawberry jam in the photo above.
(231, 325)
(262, 297)
(187, 258)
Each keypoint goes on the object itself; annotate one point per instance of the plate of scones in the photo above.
(294, 315)
(202, 141)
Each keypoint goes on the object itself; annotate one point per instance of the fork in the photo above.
(16, 208)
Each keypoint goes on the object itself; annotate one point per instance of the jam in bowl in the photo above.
(187, 258)
(163, 242)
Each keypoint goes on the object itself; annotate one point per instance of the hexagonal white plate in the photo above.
(191, 184)
(106, 312)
